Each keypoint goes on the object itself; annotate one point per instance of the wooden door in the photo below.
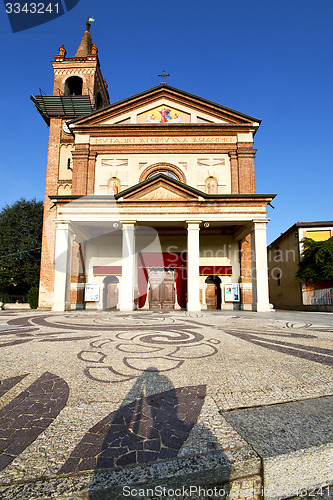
(211, 296)
(112, 297)
(162, 290)
(155, 276)
(168, 291)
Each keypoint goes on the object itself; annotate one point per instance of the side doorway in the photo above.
(213, 292)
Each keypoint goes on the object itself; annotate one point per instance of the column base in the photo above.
(126, 308)
(261, 307)
(61, 307)
(194, 307)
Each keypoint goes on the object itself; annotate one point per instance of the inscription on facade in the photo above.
(163, 140)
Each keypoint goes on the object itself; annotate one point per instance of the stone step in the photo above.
(294, 441)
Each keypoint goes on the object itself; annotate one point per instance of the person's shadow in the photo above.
(153, 424)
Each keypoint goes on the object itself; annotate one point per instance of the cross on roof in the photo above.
(164, 75)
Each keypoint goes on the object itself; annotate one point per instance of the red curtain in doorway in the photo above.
(181, 281)
(176, 261)
(142, 285)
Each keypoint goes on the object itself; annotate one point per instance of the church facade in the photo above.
(150, 202)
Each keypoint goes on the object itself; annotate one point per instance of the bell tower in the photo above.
(80, 75)
(78, 89)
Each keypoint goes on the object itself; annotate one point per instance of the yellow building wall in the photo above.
(283, 260)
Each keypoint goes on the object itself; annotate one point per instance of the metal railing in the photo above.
(317, 297)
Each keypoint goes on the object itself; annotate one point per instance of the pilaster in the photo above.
(246, 170)
(234, 172)
(80, 169)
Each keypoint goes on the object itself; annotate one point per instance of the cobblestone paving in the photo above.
(68, 382)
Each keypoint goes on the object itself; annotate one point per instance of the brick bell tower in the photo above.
(78, 89)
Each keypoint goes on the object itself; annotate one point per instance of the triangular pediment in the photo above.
(160, 189)
(165, 105)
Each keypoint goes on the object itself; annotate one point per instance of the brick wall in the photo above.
(48, 238)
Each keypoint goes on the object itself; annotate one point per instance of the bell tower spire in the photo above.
(84, 48)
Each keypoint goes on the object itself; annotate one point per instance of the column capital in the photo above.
(246, 152)
(63, 224)
(81, 153)
(259, 224)
(193, 224)
(128, 223)
(128, 226)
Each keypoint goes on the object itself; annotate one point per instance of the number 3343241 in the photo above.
(32, 8)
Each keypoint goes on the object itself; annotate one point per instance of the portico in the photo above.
(176, 242)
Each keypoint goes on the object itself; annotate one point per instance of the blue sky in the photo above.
(271, 60)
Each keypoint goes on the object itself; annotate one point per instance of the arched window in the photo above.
(73, 86)
(165, 172)
(163, 168)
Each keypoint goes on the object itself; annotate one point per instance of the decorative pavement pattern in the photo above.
(68, 403)
(29, 414)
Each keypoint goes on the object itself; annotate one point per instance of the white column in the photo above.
(259, 267)
(193, 278)
(128, 267)
(62, 266)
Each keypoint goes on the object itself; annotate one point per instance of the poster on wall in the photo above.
(91, 293)
(232, 292)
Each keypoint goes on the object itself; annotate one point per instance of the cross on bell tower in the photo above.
(164, 75)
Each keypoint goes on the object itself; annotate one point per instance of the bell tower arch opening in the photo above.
(73, 86)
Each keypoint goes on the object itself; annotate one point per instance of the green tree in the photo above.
(20, 246)
(317, 260)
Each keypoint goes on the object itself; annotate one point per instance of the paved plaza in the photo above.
(92, 403)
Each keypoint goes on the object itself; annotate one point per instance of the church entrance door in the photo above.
(162, 290)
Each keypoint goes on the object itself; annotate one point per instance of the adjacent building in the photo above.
(284, 255)
(150, 202)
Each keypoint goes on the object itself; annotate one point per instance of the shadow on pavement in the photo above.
(149, 429)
